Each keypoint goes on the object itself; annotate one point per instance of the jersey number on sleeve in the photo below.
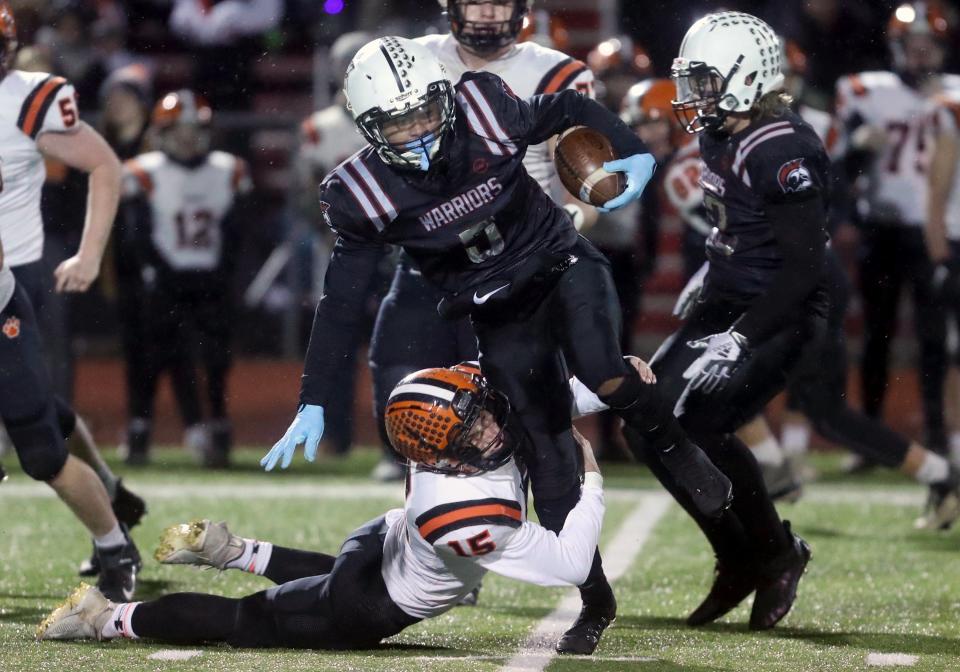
(479, 544)
(68, 112)
(482, 241)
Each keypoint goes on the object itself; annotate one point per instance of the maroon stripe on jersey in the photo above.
(497, 135)
(756, 138)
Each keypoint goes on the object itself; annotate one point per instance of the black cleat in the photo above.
(90, 566)
(582, 638)
(217, 454)
(777, 587)
(3, 474)
(731, 586)
(118, 571)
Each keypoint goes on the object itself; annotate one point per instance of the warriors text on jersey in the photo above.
(453, 530)
(475, 218)
(32, 103)
(187, 204)
(774, 160)
(529, 69)
(897, 186)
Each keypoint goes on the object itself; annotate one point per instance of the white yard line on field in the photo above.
(892, 659)
(619, 554)
(276, 489)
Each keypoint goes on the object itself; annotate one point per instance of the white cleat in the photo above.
(80, 616)
(199, 542)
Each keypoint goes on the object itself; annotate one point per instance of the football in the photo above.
(579, 157)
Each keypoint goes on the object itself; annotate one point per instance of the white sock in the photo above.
(119, 623)
(255, 557)
(955, 447)
(111, 539)
(795, 438)
(933, 469)
(768, 452)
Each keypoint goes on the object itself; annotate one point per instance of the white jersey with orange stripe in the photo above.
(528, 69)
(187, 204)
(897, 181)
(31, 103)
(452, 530)
(327, 137)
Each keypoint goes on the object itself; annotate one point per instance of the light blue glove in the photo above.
(639, 169)
(306, 429)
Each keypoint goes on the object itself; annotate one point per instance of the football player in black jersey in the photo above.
(443, 178)
(764, 179)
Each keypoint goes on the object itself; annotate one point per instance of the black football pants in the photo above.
(818, 386)
(894, 256)
(751, 532)
(321, 602)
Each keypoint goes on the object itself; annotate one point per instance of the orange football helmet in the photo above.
(437, 417)
(649, 100)
(181, 107)
(619, 54)
(8, 35)
(919, 18)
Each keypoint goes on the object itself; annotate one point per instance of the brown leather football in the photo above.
(579, 157)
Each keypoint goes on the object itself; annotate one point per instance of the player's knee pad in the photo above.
(39, 445)
(255, 625)
(66, 417)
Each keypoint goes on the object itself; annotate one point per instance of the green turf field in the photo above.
(874, 586)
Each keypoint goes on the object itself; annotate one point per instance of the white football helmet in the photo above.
(727, 61)
(393, 82)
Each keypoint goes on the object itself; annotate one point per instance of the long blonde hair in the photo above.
(771, 104)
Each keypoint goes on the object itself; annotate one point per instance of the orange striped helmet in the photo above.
(8, 33)
(449, 421)
(181, 107)
(920, 18)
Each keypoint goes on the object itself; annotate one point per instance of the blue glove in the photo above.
(639, 169)
(306, 429)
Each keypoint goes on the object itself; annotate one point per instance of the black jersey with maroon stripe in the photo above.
(475, 218)
(774, 160)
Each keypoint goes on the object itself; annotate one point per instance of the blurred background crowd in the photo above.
(265, 66)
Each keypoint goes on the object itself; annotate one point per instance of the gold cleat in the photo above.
(81, 616)
(199, 542)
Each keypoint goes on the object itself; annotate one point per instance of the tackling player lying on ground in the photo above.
(444, 179)
(464, 515)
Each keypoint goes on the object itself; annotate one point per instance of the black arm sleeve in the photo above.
(339, 316)
(799, 228)
(556, 112)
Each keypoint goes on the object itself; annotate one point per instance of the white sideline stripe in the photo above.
(619, 554)
(892, 659)
(175, 654)
(603, 659)
(816, 494)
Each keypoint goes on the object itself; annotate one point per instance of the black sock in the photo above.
(288, 564)
(186, 618)
(751, 502)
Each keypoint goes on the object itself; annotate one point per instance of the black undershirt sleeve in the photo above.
(336, 324)
(799, 228)
(556, 112)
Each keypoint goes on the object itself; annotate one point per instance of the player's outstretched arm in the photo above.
(85, 150)
(531, 553)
